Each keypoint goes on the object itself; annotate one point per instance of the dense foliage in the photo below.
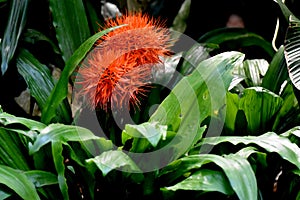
(221, 124)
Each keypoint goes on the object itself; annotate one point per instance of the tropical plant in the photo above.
(227, 125)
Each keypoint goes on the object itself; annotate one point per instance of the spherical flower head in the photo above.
(118, 71)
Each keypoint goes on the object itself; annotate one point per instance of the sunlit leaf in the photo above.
(64, 133)
(195, 97)
(114, 160)
(205, 180)
(237, 169)
(270, 141)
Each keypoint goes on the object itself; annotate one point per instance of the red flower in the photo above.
(119, 69)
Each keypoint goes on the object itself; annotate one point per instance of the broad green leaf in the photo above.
(64, 133)
(13, 31)
(58, 159)
(232, 107)
(237, 169)
(152, 132)
(40, 83)
(196, 97)
(259, 106)
(237, 37)
(71, 25)
(8, 119)
(277, 72)
(292, 47)
(114, 160)
(60, 91)
(18, 182)
(204, 180)
(41, 178)
(269, 141)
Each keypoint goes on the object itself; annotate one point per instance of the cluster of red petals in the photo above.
(119, 69)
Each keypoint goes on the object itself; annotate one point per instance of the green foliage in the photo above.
(227, 129)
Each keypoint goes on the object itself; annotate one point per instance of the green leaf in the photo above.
(60, 91)
(12, 150)
(232, 107)
(92, 16)
(63, 133)
(14, 28)
(259, 106)
(270, 141)
(153, 132)
(179, 22)
(58, 160)
(114, 160)
(8, 119)
(18, 182)
(71, 25)
(41, 178)
(196, 97)
(40, 83)
(205, 180)
(4, 195)
(237, 38)
(288, 115)
(277, 72)
(237, 169)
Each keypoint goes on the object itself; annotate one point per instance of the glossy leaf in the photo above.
(237, 169)
(40, 83)
(13, 31)
(278, 69)
(64, 133)
(259, 106)
(8, 119)
(114, 160)
(204, 180)
(152, 132)
(270, 141)
(196, 97)
(71, 25)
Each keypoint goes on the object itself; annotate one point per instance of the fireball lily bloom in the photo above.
(118, 70)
